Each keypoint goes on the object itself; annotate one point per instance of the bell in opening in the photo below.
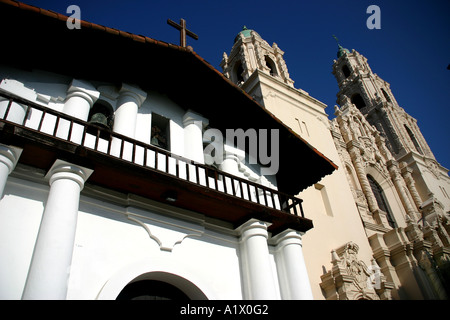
(99, 119)
(160, 131)
(101, 115)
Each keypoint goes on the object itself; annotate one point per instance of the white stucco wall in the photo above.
(108, 244)
(20, 218)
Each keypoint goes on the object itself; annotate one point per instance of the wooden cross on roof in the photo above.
(183, 31)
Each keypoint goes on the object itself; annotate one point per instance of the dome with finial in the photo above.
(341, 50)
(245, 32)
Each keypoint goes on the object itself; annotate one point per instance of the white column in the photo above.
(129, 101)
(52, 256)
(81, 96)
(231, 160)
(292, 273)
(258, 276)
(8, 160)
(193, 136)
(230, 164)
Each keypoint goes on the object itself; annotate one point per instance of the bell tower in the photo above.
(249, 53)
(372, 95)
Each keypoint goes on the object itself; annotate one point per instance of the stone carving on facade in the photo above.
(431, 242)
(429, 266)
(367, 150)
(432, 167)
(351, 279)
(376, 139)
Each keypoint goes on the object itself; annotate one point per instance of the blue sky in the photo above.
(411, 51)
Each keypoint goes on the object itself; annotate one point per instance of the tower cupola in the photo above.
(372, 96)
(341, 49)
(250, 52)
(246, 33)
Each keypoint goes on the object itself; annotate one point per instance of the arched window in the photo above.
(346, 71)
(413, 139)
(381, 201)
(151, 290)
(271, 65)
(358, 101)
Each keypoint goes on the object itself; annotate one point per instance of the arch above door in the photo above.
(161, 270)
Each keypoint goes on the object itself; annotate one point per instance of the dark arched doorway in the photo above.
(151, 290)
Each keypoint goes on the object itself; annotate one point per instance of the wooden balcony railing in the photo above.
(58, 125)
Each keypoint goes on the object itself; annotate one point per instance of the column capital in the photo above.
(191, 117)
(9, 156)
(405, 170)
(233, 153)
(288, 236)
(392, 163)
(66, 170)
(134, 92)
(253, 227)
(83, 89)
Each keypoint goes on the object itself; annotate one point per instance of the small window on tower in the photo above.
(271, 65)
(346, 71)
(239, 70)
(386, 95)
(160, 134)
(358, 101)
(413, 139)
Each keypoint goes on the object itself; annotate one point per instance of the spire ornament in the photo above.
(342, 50)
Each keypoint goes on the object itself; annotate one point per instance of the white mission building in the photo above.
(109, 189)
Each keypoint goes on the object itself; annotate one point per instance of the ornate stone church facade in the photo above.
(381, 222)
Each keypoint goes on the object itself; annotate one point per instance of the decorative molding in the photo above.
(167, 232)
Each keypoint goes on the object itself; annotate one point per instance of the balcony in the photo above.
(130, 166)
